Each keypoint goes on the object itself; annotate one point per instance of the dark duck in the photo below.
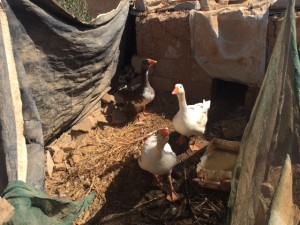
(143, 94)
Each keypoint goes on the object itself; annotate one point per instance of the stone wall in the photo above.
(273, 30)
(166, 38)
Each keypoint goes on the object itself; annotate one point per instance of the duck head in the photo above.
(178, 89)
(148, 62)
(164, 132)
(163, 135)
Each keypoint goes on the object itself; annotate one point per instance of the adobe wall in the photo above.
(273, 29)
(166, 38)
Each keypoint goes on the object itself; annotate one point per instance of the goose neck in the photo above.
(160, 145)
(145, 78)
(182, 101)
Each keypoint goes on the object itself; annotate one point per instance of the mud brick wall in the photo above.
(166, 38)
(273, 30)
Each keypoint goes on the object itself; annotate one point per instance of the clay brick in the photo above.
(195, 91)
(6, 211)
(166, 38)
(173, 68)
(161, 84)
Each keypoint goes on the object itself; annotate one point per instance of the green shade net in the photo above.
(34, 207)
(272, 131)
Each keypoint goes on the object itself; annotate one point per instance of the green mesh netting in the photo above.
(34, 207)
(272, 131)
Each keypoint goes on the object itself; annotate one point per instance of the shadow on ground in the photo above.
(132, 199)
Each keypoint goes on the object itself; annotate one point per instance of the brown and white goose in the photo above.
(143, 94)
(190, 119)
(158, 158)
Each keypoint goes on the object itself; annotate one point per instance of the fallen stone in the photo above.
(70, 147)
(84, 150)
(76, 158)
(60, 167)
(53, 149)
(85, 125)
(58, 157)
(64, 140)
(99, 117)
(97, 112)
(65, 143)
(6, 211)
(107, 98)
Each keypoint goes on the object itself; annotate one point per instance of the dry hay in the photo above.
(97, 158)
(104, 161)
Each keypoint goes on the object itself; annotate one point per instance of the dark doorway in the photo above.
(228, 104)
(228, 93)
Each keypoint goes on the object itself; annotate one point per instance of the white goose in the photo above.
(159, 159)
(190, 119)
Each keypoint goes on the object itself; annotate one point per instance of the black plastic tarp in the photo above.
(63, 67)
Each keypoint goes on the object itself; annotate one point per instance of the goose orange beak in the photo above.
(164, 132)
(175, 91)
(151, 61)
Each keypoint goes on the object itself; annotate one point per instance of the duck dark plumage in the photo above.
(144, 94)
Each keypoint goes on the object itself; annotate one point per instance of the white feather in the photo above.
(157, 160)
(190, 119)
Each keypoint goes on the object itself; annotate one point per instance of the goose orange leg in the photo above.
(145, 112)
(142, 115)
(158, 181)
(173, 196)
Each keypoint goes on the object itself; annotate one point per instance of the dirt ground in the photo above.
(104, 161)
